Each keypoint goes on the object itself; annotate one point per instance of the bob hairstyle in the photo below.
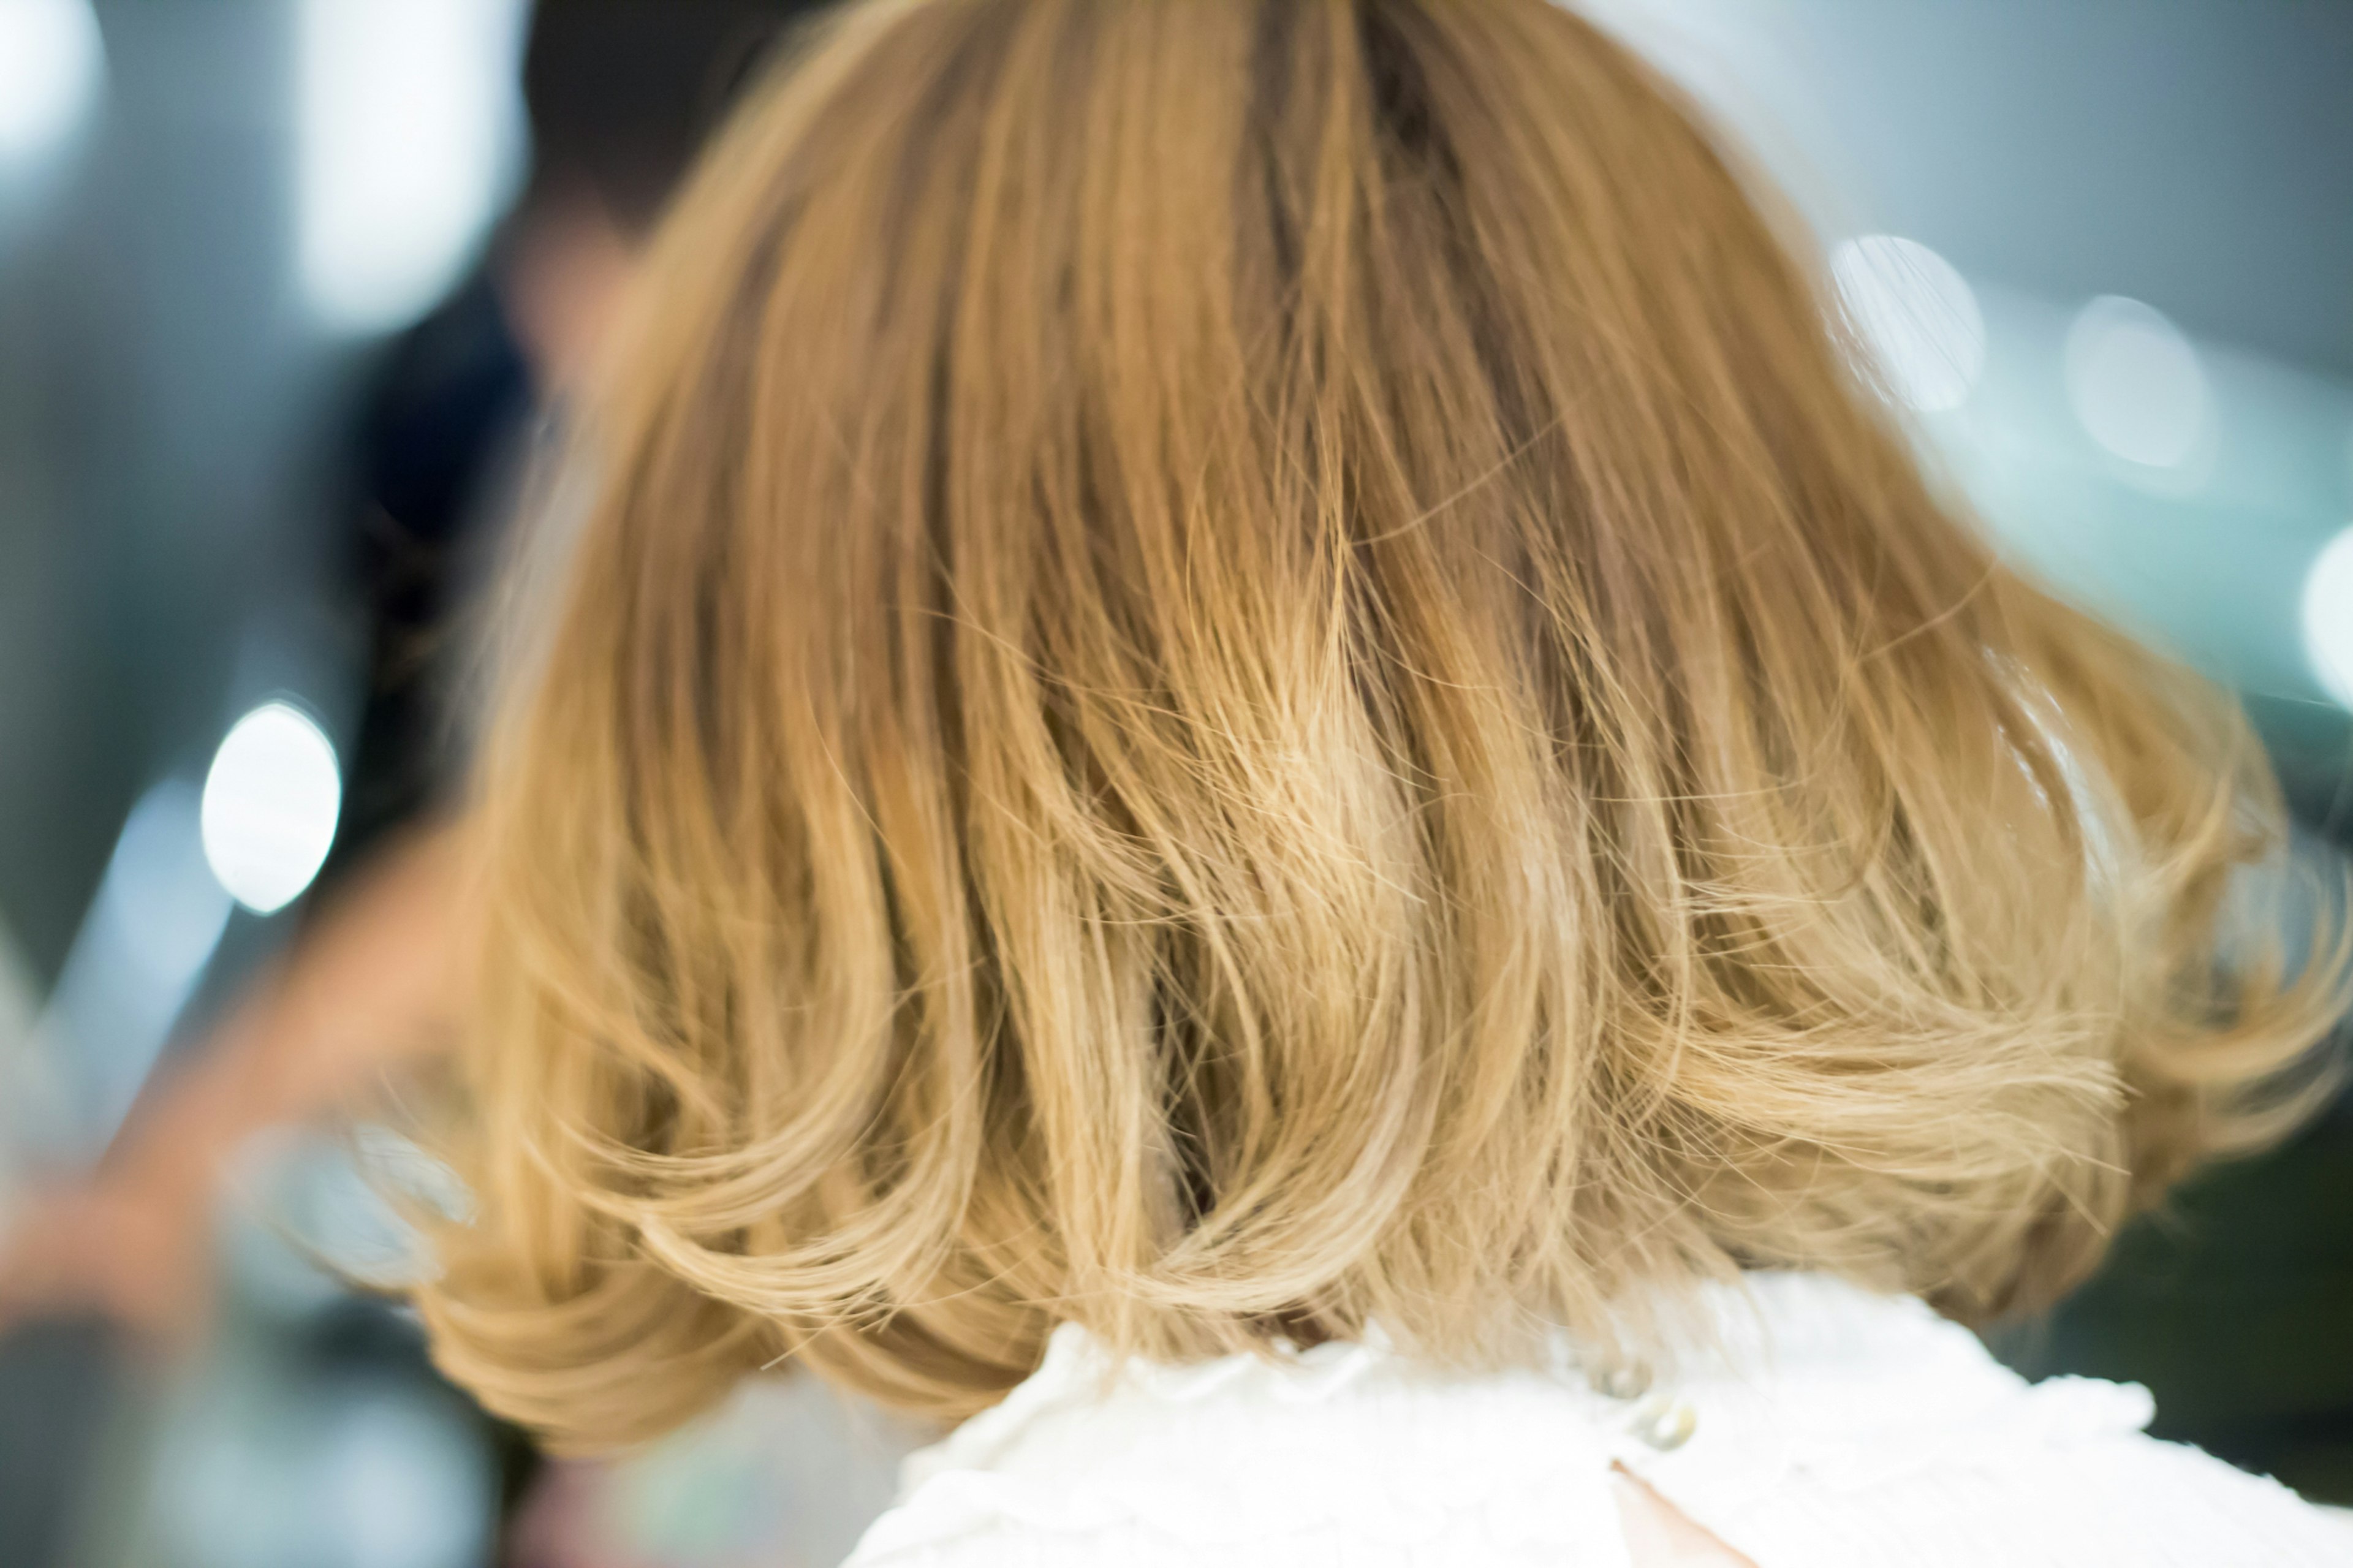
(1243, 668)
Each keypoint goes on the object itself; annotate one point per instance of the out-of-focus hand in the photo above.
(132, 1247)
(367, 988)
(132, 1241)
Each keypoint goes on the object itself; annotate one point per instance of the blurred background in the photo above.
(289, 294)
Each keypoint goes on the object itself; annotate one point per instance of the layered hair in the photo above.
(1249, 667)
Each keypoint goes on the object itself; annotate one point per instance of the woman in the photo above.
(1256, 762)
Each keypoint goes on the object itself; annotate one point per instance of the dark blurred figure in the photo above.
(620, 96)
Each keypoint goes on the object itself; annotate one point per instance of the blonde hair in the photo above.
(1250, 667)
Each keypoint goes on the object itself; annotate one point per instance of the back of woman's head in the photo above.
(1250, 667)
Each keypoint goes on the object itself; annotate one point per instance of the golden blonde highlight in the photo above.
(1250, 667)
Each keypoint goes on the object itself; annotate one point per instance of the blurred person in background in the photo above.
(620, 95)
(1260, 777)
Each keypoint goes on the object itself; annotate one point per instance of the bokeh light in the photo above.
(2135, 382)
(408, 124)
(269, 806)
(1917, 316)
(51, 63)
(2328, 616)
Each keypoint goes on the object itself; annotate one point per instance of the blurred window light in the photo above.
(51, 63)
(159, 894)
(269, 806)
(1917, 316)
(158, 916)
(2328, 616)
(410, 119)
(2135, 382)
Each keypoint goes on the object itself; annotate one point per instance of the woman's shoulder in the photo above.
(1831, 1428)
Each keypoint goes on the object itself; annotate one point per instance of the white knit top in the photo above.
(1841, 1429)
